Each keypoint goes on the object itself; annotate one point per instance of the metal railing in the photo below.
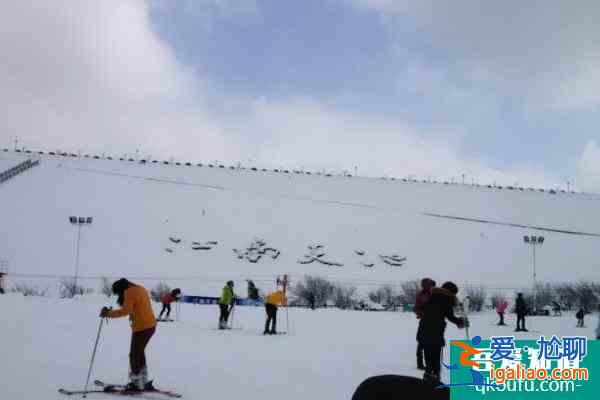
(17, 169)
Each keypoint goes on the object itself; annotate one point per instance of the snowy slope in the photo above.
(49, 341)
(136, 208)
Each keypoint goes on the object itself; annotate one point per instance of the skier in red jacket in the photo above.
(422, 297)
(166, 301)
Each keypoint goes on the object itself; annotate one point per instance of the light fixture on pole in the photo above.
(534, 241)
(79, 222)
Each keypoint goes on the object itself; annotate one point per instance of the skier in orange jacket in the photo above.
(135, 303)
(272, 301)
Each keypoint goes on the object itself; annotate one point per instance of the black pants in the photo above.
(433, 358)
(271, 318)
(501, 319)
(137, 354)
(167, 308)
(580, 322)
(224, 316)
(520, 321)
(420, 353)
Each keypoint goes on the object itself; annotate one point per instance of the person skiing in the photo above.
(521, 310)
(556, 308)
(273, 300)
(253, 294)
(422, 297)
(166, 300)
(135, 303)
(437, 309)
(226, 302)
(501, 309)
(580, 317)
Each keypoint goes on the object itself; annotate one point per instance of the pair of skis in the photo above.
(121, 390)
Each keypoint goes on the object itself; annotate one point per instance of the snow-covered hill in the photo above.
(137, 208)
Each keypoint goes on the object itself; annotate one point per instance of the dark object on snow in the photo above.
(174, 240)
(393, 260)
(580, 318)
(396, 387)
(431, 330)
(168, 250)
(252, 291)
(521, 310)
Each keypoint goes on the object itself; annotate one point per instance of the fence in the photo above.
(17, 169)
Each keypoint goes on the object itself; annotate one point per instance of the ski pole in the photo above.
(87, 381)
(232, 314)
(287, 319)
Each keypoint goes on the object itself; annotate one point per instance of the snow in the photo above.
(47, 344)
(136, 208)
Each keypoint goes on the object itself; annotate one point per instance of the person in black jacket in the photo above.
(521, 310)
(438, 308)
(580, 317)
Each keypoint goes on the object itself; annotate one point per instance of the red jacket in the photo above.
(422, 298)
(168, 298)
(501, 308)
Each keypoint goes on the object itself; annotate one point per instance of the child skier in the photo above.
(580, 316)
(431, 335)
(166, 301)
(135, 303)
(226, 302)
(272, 301)
(422, 297)
(501, 309)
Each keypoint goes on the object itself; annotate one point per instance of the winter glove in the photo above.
(104, 311)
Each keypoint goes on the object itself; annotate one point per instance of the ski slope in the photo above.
(48, 344)
(136, 208)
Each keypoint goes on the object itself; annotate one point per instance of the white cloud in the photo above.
(93, 75)
(589, 168)
(303, 132)
(548, 50)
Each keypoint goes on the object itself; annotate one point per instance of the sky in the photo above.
(505, 92)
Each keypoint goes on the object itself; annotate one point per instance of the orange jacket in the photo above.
(137, 305)
(277, 298)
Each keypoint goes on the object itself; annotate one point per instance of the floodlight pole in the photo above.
(77, 257)
(534, 241)
(79, 221)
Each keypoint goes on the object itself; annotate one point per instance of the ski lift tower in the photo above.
(3, 273)
(534, 241)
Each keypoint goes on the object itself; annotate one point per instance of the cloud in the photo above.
(589, 168)
(94, 75)
(546, 50)
(305, 133)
